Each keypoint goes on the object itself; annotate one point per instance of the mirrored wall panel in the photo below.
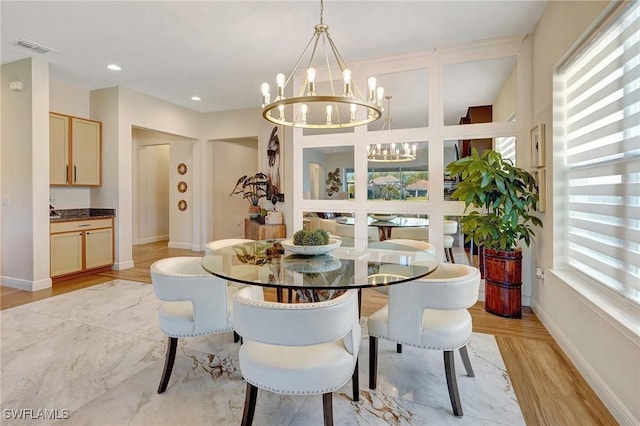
(398, 171)
(408, 106)
(326, 173)
(480, 91)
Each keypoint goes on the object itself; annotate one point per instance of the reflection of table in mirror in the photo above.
(267, 264)
(385, 226)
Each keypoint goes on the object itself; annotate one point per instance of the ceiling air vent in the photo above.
(35, 47)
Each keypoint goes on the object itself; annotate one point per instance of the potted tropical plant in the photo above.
(252, 188)
(504, 198)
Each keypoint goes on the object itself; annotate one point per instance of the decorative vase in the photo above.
(503, 279)
(254, 211)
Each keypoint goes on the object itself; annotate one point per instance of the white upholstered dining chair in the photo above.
(194, 303)
(211, 246)
(297, 349)
(430, 313)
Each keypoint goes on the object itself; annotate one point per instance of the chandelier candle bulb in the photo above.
(346, 75)
(380, 94)
(311, 77)
(280, 83)
(329, 110)
(266, 97)
(372, 89)
(281, 109)
(303, 110)
(353, 112)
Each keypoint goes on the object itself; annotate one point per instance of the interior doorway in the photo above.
(154, 188)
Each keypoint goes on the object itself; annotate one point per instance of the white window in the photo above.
(602, 156)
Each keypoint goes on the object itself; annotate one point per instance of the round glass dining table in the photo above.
(266, 263)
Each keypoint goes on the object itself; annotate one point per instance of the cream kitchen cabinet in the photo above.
(75, 151)
(81, 246)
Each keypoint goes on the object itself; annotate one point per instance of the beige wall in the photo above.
(598, 339)
(229, 161)
(25, 175)
(506, 102)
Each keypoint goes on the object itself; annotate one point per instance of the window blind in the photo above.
(602, 100)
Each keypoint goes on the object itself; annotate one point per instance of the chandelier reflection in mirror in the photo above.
(313, 109)
(390, 152)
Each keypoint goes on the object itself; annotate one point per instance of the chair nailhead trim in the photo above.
(288, 392)
(435, 348)
(294, 306)
(202, 333)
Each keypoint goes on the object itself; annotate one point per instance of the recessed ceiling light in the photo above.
(114, 67)
(196, 98)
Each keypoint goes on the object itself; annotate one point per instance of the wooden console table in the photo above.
(256, 231)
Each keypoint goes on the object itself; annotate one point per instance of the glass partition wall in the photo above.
(442, 107)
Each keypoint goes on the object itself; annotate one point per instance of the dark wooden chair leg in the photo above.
(249, 405)
(359, 303)
(452, 384)
(399, 348)
(453, 259)
(290, 295)
(168, 363)
(279, 295)
(355, 383)
(464, 354)
(327, 408)
(373, 362)
(236, 337)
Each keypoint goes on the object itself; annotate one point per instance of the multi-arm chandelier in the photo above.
(390, 152)
(319, 106)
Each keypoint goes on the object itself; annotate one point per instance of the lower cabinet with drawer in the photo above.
(80, 246)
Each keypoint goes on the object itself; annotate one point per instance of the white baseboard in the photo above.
(122, 265)
(186, 246)
(151, 239)
(25, 284)
(604, 392)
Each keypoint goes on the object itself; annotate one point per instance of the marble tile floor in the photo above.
(97, 354)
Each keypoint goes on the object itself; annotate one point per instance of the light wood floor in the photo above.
(549, 389)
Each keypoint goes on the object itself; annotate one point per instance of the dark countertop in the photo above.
(68, 215)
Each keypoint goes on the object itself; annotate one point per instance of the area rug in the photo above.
(94, 357)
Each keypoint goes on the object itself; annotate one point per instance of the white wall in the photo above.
(604, 348)
(24, 178)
